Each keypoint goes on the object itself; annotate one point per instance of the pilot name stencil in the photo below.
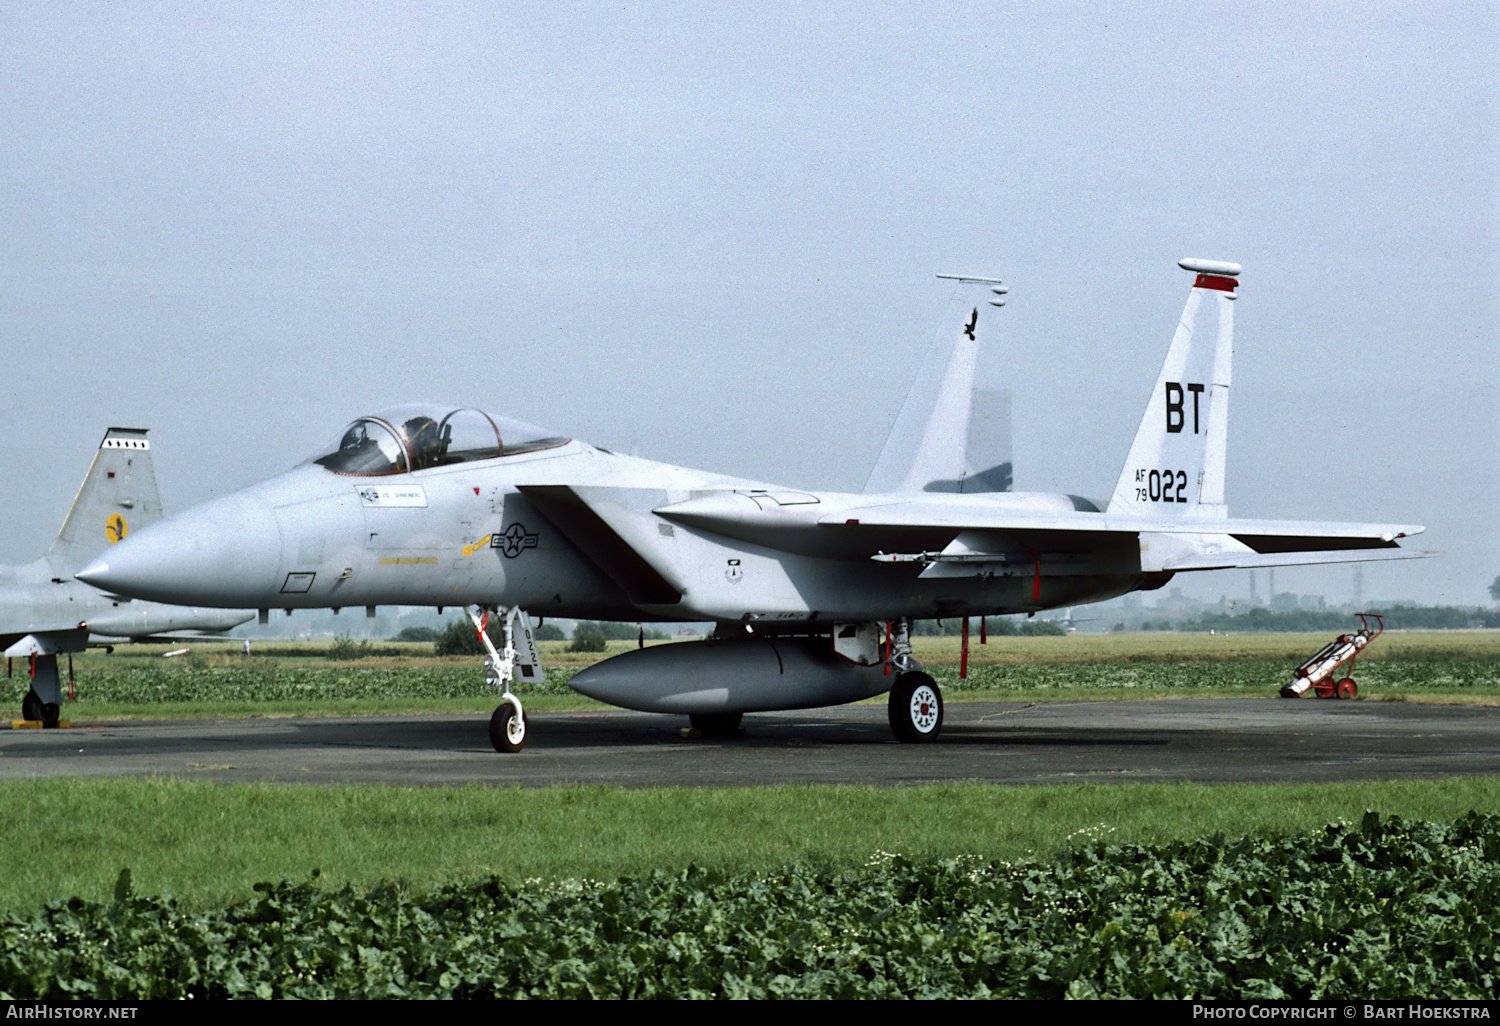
(409, 496)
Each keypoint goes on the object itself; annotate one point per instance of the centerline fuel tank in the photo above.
(732, 675)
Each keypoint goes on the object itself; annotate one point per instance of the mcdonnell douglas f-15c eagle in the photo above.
(44, 611)
(813, 593)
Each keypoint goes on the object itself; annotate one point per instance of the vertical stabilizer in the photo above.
(118, 496)
(1176, 465)
(929, 447)
(987, 463)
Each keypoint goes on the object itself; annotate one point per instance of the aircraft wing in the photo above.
(950, 512)
(1003, 535)
(978, 530)
(172, 638)
(50, 637)
(45, 641)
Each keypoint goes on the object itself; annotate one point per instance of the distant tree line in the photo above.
(592, 635)
(428, 634)
(613, 631)
(996, 626)
(459, 638)
(1408, 618)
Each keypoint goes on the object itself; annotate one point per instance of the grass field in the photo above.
(209, 844)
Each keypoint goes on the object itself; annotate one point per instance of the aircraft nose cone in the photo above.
(224, 552)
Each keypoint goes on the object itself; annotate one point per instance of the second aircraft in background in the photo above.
(45, 612)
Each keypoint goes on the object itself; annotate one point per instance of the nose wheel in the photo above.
(915, 707)
(508, 727)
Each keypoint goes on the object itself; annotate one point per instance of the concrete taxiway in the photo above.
(1208, 740)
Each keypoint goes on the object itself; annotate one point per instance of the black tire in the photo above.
(51, 714)
(716, 724)
(508, 728)
(31, 706)
(915, 707)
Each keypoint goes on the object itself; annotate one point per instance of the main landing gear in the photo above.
(915, 706)
(43, 701)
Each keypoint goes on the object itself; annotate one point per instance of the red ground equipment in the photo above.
(1321, 671)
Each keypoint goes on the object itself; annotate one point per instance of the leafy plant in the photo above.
(427, 634)
(344, 650)
(1389, 909)
(587, 641)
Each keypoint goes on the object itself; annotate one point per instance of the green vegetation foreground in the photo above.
(1387, 909)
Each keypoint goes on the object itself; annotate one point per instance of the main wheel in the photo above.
(31, 706)
(716, 724)
(915, 707)
(1346, 688)
(508, 728)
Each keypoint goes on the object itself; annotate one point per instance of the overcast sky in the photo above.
(709, 233)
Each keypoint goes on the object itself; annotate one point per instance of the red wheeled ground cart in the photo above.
(1320, 673)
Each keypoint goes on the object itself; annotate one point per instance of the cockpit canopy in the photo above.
(418, 436)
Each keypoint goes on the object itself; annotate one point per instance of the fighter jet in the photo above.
(813, 593)
(44, 611)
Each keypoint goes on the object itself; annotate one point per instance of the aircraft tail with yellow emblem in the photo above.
(118, 495)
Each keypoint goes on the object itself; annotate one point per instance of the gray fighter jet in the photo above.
(813, 593)
(44, 611)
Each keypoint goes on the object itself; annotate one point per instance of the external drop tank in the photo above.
(732, 675)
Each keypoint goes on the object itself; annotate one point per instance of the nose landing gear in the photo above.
(508, 723)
